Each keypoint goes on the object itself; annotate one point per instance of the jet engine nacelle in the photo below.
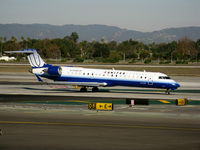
(54, 70)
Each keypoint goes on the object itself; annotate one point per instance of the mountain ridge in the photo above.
(97, 32)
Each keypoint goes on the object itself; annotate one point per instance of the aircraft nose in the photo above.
(176, 85)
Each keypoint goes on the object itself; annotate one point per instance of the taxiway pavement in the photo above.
(24, 83)
(56, 126)
(36, 126)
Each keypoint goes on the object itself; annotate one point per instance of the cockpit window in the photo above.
(164, 77)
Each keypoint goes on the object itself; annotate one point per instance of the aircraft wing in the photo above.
(87, 84)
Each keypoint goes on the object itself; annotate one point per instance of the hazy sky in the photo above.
(141, 15)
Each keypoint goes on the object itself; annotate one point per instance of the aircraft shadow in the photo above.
(128, 91)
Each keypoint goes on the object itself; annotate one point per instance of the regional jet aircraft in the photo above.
(95, 78)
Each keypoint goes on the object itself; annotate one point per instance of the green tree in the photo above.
(186, 49)
(86, 49)
(12, 44)
(101, 50)
(70, 47)
(1, 46)
(144, 54)
(124, 48)
(73, 37)
(113, 58)
(23, 43)
(198, 49)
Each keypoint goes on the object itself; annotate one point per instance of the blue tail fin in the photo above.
(33, 57)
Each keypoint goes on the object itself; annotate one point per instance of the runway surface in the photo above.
(12, 83)
(75, 127)
(31, 118)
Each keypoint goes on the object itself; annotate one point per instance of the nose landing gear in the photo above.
(168, 92)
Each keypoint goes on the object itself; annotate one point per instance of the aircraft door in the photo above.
(150, 81)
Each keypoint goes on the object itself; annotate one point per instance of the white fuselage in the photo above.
(112, 77)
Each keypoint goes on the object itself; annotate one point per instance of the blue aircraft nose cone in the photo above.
(176, 85)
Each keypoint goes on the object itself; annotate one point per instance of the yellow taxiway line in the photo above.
(165, 101)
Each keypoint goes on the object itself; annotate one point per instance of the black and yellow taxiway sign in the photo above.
(181, 101)
(100, 106)
(92, 106)
(104, 106)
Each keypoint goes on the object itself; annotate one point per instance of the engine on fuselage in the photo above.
(50, 71)
(54, 70)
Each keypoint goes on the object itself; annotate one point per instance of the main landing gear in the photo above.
(95, 89)
(167, 91)
(84, 89)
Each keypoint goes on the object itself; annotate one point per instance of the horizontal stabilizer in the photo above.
(33, 57)
(23, 51)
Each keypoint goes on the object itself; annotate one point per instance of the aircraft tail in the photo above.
(33, 57)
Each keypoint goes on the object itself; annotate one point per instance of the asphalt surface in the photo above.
(25, 84)
(72, 127)
(26, 123)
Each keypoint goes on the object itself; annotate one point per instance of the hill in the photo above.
(96, 32)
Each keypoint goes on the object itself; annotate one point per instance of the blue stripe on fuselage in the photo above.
(117, 82)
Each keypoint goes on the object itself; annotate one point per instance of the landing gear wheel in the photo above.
(95, 89)
(83, 89)
(168, 92)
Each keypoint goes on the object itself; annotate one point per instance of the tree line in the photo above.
(130, 51)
